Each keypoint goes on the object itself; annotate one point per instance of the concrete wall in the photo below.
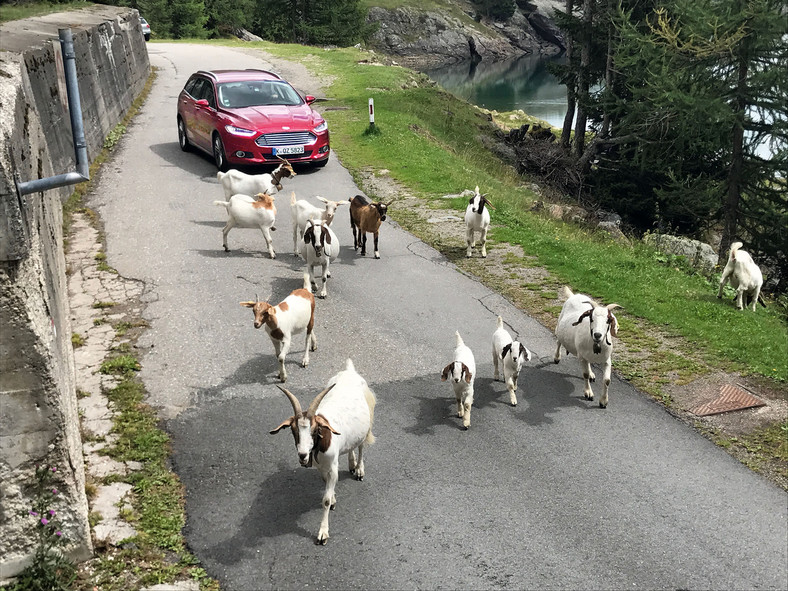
(39, 421)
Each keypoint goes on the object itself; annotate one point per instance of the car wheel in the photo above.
(182, 139)
(147, 37)
(218, 153)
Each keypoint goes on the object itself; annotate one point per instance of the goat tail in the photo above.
(565, 293)
(500, 322)
(735, 247)
(226, 204)
(459, 339)
(292, 199)
(307, 283)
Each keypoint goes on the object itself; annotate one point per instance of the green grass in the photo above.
(13, 12)
(432, 143)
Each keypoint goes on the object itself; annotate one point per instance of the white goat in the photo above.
(477, 219)
(463, 373)
(292, 315)
(250, 212)
(234, 181)
(592, 345)
(338, 421)
(302, 211)
(745, 277)
(511, 354)
(319, 247)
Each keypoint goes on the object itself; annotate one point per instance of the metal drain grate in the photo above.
(731, 398)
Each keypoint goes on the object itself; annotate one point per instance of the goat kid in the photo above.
(338, 421)
(462, 372)
(234, 181)
(250, 212)
(511, 355)
(302, 211)
(592, 345)
(319, 247)
(294, 314)
(477, 219)
(745, 277)
(366, 215)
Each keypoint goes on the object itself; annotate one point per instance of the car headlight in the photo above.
(240, 131)
(322, 127)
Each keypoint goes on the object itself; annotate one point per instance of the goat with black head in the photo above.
(593, 344)
(477, 220)
(320, 246)
(366, 216)
(338, 421)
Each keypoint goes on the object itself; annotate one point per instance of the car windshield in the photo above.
(258, 93)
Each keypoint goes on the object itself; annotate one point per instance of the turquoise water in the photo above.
(523, 83)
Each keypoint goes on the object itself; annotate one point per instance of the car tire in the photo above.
(183, 140)
(147, 37)
(218, 153)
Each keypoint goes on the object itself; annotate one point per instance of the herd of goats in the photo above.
(339, 420)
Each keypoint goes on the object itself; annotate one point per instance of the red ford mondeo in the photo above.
(249, 117)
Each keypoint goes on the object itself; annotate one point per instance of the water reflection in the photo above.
(523, 83)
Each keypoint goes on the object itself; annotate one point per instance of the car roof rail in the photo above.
(264, 72)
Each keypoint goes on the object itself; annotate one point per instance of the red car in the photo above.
(249, 117)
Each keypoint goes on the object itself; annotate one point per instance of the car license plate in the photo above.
(289, 150)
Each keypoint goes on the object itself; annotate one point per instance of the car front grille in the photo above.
(295, 138)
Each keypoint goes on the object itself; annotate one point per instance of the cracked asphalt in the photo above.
(553, 493)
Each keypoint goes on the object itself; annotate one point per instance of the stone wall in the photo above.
(39, 421)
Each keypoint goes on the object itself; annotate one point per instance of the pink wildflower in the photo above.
(44, 520)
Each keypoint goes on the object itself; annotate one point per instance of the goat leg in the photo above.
(589, 377)
(483, 240)
(469, 242)
(323, 293)
(329, 501)
(606, 381)
(281, 355)
(377, 252)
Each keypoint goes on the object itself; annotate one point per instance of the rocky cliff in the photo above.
(424, 38)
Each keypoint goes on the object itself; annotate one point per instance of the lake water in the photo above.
(523, 83)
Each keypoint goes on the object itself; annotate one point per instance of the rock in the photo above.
(245, 35)
(445, 39)
(698, 254)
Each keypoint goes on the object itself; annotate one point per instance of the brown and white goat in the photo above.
(366, 215)
(234, 181)
(244, 211)
(294, 314)
(338, 421)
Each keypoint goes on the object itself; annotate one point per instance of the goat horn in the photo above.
(612, 306)
(310, 412)
(293, 400)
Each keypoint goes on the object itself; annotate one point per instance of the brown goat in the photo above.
(366, 215)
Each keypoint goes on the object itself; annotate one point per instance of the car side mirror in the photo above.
(309, 99)
(202, 103)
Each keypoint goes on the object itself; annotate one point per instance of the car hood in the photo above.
(277, 118)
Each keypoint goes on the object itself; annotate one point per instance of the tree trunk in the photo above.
(731, 207)
(585, 75)
(571, 84)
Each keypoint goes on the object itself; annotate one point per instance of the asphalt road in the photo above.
(554, 493)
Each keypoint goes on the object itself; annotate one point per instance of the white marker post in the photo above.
(371, 113)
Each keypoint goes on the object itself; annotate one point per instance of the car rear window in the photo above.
(259, 93)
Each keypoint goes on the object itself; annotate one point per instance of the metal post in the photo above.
(82, 173)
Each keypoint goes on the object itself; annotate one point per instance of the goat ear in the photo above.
(468, 374)
(248, 304)
(309, 234)
(323, 422)
(585, 314)
(319, 198)
(285, 423)
(445, 372)
(326, 234)
(505, 350)
(614, 325)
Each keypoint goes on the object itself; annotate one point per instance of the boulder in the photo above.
(699, 255)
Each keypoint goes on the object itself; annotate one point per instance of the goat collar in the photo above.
(277, 175)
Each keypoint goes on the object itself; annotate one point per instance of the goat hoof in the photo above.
(602, 405)
(322, 541)
(273, 229)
